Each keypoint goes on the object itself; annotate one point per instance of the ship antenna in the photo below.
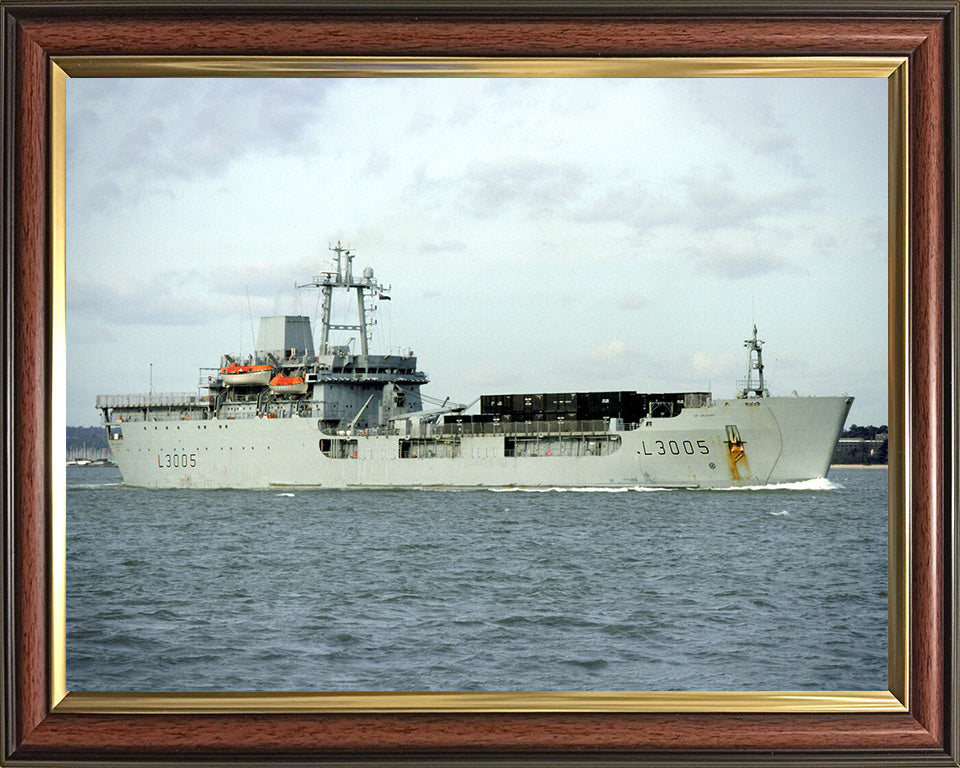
(253, 336)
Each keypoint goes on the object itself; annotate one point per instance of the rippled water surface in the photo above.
(778, 589)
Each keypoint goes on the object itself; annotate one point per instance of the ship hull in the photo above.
(729, 443)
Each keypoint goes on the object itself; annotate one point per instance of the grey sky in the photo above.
(539, 235)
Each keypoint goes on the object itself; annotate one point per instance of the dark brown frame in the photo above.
(924, 32)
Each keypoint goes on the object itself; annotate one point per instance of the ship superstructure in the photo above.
(332, 384)
(292, 414)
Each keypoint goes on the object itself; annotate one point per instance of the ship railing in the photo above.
(360, 432)
(151, 400)
(410, 377)
(697, 399)
(508, 428)
(209, 377)
(545, 427)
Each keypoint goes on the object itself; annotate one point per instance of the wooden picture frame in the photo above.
(39, 728)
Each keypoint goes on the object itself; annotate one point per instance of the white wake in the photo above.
(817, 484)
(560, 489)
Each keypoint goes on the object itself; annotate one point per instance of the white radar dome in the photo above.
(368, 272)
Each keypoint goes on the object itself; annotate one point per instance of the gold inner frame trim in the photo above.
(428, 66)
(383, 702)
(899, 517)
(58, 383)
(894, 69)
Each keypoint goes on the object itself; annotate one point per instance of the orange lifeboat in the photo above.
(234, 375)
(288, 385)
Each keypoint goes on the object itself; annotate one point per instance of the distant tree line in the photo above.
(94, 438)
(866, 433)
(862, 445)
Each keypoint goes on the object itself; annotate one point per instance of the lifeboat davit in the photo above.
(234, 375)
(288, 385)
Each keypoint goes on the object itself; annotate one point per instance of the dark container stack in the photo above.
(585, 406)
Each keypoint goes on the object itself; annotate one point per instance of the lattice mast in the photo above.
(754, 363)
(365, 286)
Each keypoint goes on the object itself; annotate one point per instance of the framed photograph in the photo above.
(394, 64)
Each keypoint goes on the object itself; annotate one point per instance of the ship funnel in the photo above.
(285, 337)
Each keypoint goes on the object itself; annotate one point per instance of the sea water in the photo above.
(779, 588)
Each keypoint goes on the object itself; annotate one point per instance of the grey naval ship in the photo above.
(291, 414)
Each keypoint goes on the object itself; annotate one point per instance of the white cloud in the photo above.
(150, 136)
(609, 350)
(715, 366)
(537, 187)
(633, 302)
(738, 264)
